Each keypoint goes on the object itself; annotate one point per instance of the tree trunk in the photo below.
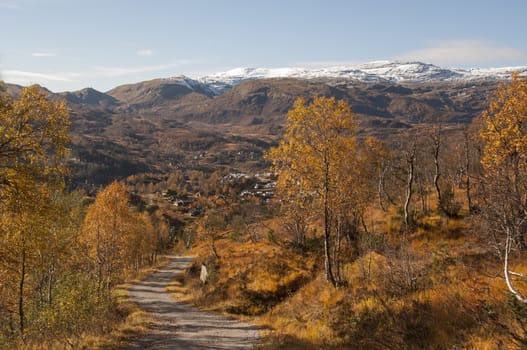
(21, 291)
(437, 173)
(410, 160)
(422, 194)
(327, 227)
(519, 296)
(336, 252)
(467, 174)
(50, 284)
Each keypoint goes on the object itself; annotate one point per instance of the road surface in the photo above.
(180, 326)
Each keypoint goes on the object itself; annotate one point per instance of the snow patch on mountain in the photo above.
(193, 84)
(377, 71)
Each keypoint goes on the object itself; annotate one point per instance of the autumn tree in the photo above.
(316, 163)
(117, 238)
(504, 133)
(33, 149)
(33, 139)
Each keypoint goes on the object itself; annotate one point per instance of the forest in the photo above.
(358, 243)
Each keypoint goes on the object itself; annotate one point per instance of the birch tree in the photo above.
(117, 239)
(315, 162)
(33, 150)
(504, 161)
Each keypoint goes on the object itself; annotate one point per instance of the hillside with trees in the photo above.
(60, 256)
(415, 246)
(165, 125)
(373, 216)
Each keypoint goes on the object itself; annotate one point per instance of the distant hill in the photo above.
(91, 97)
(157, 92)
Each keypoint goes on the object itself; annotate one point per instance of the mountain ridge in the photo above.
(215, 84)
(377, 71)
(172, 123)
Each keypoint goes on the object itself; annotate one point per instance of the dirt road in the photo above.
(180, 326)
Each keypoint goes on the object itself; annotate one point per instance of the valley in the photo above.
(340, 209)
(228, 121)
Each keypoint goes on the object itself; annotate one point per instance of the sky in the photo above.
(73, 44)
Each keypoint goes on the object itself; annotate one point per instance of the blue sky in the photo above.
(72, 44)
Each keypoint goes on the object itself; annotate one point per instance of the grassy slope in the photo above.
(440, 290)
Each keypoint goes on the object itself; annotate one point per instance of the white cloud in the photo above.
(145, 52)
(32, 77)
(96, 76)
(43, 54)
(464, 52)
(96, 72)
(100, 71)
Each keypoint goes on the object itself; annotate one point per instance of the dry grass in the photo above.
(249, 277)
(458, 300)
(304, 316)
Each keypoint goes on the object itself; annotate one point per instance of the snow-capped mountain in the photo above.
(192, 84)
(369, 72)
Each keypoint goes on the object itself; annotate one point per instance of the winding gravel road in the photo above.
(180, 326)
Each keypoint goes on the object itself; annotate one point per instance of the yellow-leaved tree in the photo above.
(504, 133)
(33, 150)
(117, 238)
(317, 166)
